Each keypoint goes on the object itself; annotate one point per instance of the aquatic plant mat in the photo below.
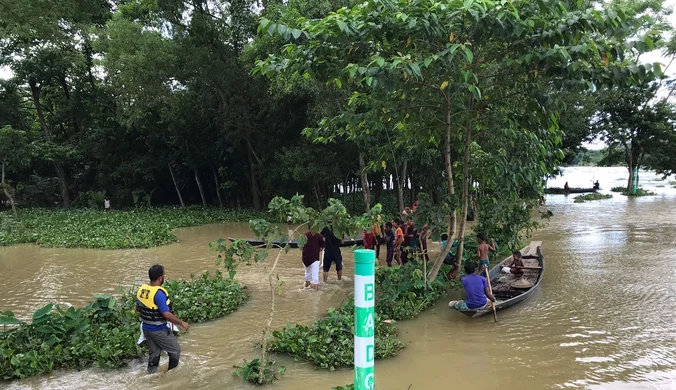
(105, 332)
(590, 197)
(89, 228)
(329, 342)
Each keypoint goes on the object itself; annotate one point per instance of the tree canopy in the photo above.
(162, 102)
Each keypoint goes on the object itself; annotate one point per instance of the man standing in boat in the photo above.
(332, 252)
(476, 288)
(154, 307)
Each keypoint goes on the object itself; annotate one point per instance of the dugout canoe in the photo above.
(562, 191)
(506, 295)
(294, 243)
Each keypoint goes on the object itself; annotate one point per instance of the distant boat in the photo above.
(504, 293)
(562, 191)
(294, 243)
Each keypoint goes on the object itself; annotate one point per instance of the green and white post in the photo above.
(364, 318)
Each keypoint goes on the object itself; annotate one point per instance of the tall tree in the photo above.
(463, 63)
(633, 124)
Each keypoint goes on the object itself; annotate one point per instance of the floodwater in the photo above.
(602, 318)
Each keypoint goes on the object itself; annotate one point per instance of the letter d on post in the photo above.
(364, 318)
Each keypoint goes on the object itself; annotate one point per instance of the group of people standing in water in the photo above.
(401, 238)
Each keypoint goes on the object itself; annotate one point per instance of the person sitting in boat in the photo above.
(476, 288)
(597, 186)
(516, 268)
(566, 188)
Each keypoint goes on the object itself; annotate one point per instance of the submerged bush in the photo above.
(329, 342)
(619, 189)
(250, 372)
(102, 334)
(86, 228)
(346, 387)
(105, 332)
(639, 192)
(401, 292)
(202, 298)
(590, 197)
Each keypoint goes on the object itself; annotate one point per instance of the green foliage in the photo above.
(202, 298)
(290, 211)
(639, 192)
(589, 158)
(103, 333)
(328, 343)
(346, 387)
(140, 228)
(250, 372)
(590, 197)
(619, 189)
(637, 126)
(402, 293)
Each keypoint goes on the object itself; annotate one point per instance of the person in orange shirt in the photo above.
(398, 239)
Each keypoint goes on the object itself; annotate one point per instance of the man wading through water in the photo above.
(154, 307)
(310, 257)
(332, 252)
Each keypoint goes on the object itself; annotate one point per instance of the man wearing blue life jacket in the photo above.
(154, 307)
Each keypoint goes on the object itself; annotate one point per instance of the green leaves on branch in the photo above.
(250, 371)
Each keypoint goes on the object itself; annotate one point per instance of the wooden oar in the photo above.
(490, 289)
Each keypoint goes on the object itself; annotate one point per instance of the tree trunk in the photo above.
(448, 165)
(173, 178)
(630, 182)
(218, 187)
(61, 175)
(199, 186)
(465, 200)
(401, 183)
(89, 59)
(35, 93)
(255, 192)
(378, 188)
(150, 196)
(7, 193)
(366, 192)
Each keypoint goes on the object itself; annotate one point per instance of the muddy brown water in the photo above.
(603, 318)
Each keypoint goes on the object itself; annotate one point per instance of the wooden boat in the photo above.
(562, 191)
(505, 295)
(294, 243)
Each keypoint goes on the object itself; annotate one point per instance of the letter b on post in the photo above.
(369, 292)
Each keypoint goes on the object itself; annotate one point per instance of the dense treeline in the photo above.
(153, 102)
(163, 102)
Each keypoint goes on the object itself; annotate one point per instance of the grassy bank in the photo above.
(85, 228)
(103, 333)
